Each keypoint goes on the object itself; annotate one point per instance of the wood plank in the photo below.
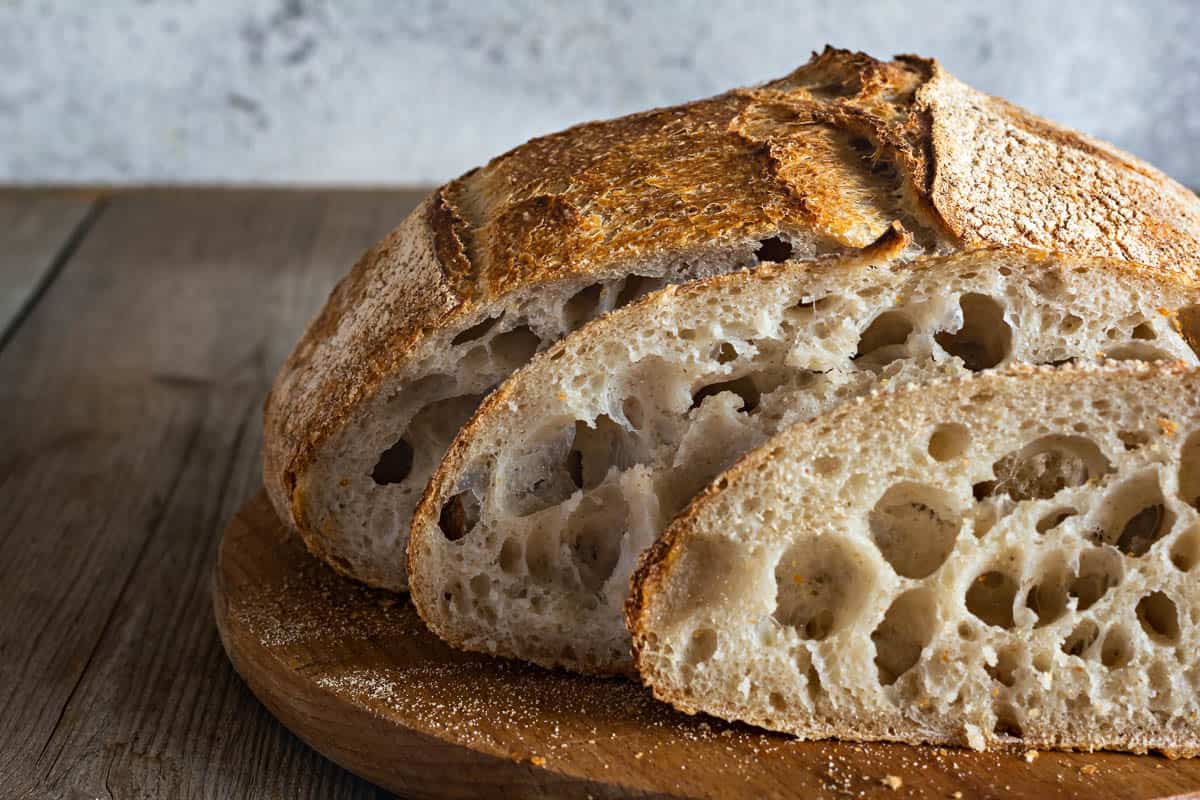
(37, 230)
(359, 676)
(132, 396)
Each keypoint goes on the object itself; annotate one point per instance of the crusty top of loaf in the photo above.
(839, 148)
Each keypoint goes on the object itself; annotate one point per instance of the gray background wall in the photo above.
(375, 92)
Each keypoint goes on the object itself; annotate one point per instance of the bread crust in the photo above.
(836, 151)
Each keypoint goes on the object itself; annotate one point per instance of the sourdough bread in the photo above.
(1007, 559)
(525, 540)
(501, 262)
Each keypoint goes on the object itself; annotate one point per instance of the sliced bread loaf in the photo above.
(506, 259)
(526, 537)
(1005, 559)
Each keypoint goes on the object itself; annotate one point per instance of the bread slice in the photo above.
(508, 258)
(1008, 559)
(526, 537)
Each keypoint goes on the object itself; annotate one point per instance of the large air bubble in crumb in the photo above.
(1134, 516)
(593, 537)
(1044, 467)
(905, 630)
(1189, 470)
(821, 585)
(914, 526)
(984, 340)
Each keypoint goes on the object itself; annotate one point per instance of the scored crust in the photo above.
(829, 155)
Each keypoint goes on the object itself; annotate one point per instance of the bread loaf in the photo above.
(525, 540)
(1007, 559)
(501, 262)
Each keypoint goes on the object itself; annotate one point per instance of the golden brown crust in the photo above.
(836, 151)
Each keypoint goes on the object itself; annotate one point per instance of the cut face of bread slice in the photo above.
(1004, 559)
(525, 540)
(506, 259)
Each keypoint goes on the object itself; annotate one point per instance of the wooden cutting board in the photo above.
(354, 673)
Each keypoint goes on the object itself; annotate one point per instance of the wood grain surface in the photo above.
(355, 673)
(38, 230)
(131, 396)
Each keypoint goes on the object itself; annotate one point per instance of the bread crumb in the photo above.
(537, 761)
(1031, 756)
(1168, 427)
(957, 795)
(638, 754)
(1089, 769)
(893, 782)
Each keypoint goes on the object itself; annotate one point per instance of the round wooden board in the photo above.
(356, 675)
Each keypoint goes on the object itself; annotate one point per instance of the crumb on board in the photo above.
(1089, 769)
(1031, 756)
(893, 782)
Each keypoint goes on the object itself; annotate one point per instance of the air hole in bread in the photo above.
(1081, 638)
(914, 526)
(819, 585)
(1189, 470)
(1071, 323)
(1134, 516)
(590, 535)
(541, 555)
(1132, 440)
(394, 465)
(1188, 320)
(991, 596)
(1048, 597)
(1052, 519)
(904, 632)
(1159, 617)
(607, 445)
(1116, 651)
(1136, 351)
(582, 306)
(948, 440)
(1185, 552)
(743, 387)
(883, 341)
(515, 347)
(777, 701)
(1100, 569)
(510, 555)
(725, 353)
(1004, 671)
(635, 287)
(1144, 331)
(476, 331)
(1044, 467)
(702, 646)
(984, 339)
(1007, 723)
(459, 515)
(773, 249)
(481, 585)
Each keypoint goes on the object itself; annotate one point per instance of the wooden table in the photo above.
(139, 332)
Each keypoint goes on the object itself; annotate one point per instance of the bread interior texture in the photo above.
(380, 463)
(559, 484)
(1014, 562)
